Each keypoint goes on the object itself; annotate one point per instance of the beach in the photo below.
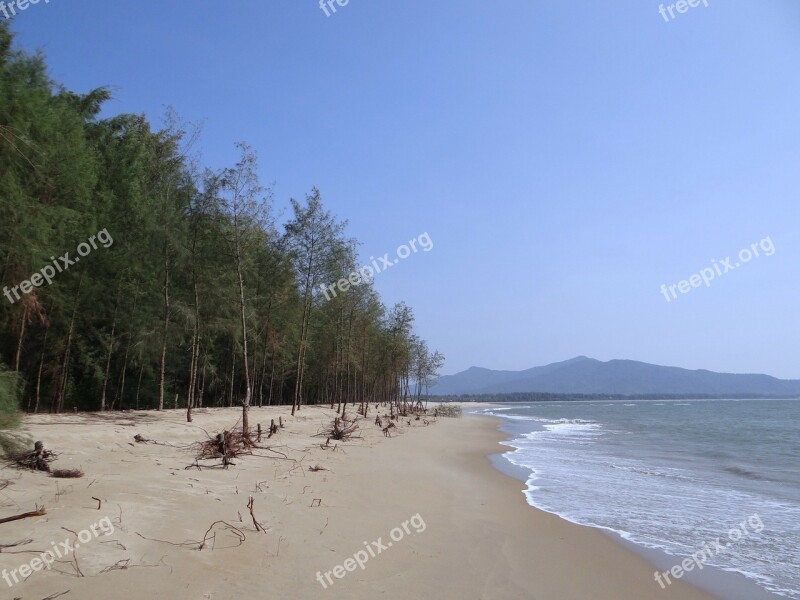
(420, 514)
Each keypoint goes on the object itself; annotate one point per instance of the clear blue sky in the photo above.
(566, 157)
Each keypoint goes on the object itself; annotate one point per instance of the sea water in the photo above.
(672, 475)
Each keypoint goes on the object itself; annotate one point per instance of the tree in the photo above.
(311, 238)
(244, 210)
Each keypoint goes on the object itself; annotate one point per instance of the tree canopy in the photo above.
(193, 296)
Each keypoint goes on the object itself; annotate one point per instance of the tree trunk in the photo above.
(108, 359)
(65, 362)
(163, 363)
(21, 336)
(139, 385)
(41, 366)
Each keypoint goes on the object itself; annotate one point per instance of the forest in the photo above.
(202, 299)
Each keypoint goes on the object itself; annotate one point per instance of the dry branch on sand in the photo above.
(339, 429)
(24, 542)
(67, 473)
(140, 439)
(40, 511)
(448, 410)
(227, 446)
(207, 537)
(258, 526)
(38, 460)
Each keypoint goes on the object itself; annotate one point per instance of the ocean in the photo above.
(676, 476)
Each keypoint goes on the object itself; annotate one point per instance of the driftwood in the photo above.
(340, 429)
(140, 439)
(227, 446)
(40, 511)
(38, 460)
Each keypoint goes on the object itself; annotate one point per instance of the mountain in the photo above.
(582, 375)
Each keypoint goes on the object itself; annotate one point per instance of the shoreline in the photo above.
(470, 532)
(721, 584)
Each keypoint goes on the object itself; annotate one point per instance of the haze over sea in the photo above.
(671, 475)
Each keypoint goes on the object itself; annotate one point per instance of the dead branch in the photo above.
(40, 511)
(236, 530)
(117, 542)
(15, 544)
(58, 595)
(139, 439)
(340, 429)
(38, 460)
(258, 526)
(120, 565)
(199, 545)
(227, 446)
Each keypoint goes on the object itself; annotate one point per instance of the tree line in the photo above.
(202, 300)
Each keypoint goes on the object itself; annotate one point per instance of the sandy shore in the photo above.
(437, 519)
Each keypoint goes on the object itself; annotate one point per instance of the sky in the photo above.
(565, 158)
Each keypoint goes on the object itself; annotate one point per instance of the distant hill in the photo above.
(582, 375)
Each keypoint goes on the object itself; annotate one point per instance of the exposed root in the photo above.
(38, 460)
(340, 429)
(208, 536)
(227, 446)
